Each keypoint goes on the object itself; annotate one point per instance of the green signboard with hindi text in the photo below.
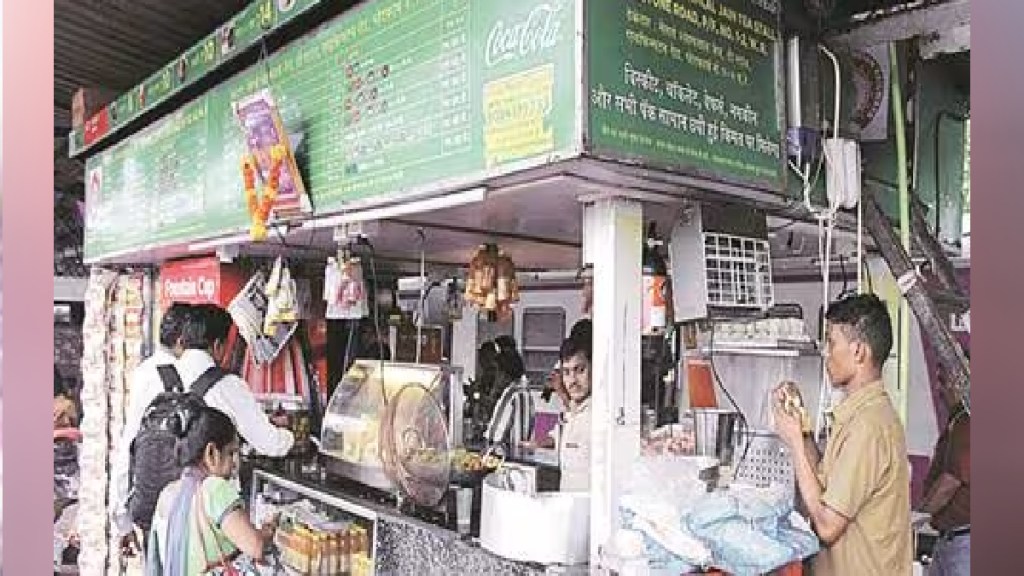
(691, 86)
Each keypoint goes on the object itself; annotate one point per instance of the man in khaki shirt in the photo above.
(858, 495)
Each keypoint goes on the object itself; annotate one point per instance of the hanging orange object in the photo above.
(491, 282)
(259, 208)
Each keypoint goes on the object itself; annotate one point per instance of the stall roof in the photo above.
(116, 44)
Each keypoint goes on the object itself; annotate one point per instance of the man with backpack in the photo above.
(160, 421)
(145, 387)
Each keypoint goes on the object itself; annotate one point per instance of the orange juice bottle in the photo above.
(345, 537)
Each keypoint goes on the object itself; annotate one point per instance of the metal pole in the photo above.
(901, 174)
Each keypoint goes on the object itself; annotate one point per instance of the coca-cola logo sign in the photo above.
(190, 289)
(538, 31)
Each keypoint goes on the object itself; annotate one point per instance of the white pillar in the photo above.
(613, 236)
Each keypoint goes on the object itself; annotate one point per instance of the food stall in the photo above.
(419, 139)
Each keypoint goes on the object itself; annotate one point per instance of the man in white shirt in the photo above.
(573, 435)
(202, 340)
(581, 332)
(145, 387)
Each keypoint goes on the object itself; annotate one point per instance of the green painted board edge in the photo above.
(260, 19)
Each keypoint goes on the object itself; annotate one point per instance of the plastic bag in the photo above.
(655, 495)
(745, 530)
(667, 546)
(714, 509)
(671, 478)
(750, 530)
(801, 543)
(742, 550)
(755, 503)
(796, 532)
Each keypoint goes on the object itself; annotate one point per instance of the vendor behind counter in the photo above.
(572, 436)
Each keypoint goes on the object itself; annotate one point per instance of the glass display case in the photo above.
(357, 423)
(317, 533)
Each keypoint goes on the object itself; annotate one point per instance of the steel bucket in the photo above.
(715, 431)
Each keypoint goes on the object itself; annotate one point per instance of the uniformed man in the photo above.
(858, 494)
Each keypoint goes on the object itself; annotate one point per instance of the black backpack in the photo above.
(153, 456)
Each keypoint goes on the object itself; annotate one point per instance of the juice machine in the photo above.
(392, 426)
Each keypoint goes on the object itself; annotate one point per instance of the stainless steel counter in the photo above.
(404, 545)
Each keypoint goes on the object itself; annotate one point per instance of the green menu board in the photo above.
(393, 96)
(153, 187)
(688, 85)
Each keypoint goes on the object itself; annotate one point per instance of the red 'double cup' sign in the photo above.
(198, 281)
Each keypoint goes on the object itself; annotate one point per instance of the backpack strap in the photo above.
(207, 380)
(170, 378)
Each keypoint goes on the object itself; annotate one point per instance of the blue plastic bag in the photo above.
(716, 508)
(741, 549)
(803, 544)
(658, 556)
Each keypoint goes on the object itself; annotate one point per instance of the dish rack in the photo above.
(767, 461)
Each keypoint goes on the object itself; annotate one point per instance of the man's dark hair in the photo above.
(864, 318)
(582, 330)
(58, 383)
(207, 324)
(571, 346)
(508, 359)
(172, 323)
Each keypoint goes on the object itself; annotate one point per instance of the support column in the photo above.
(613, 236)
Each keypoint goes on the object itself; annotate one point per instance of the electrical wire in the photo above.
(805, 175)
(825, 245)
(808, 182)
(867, 270)
(352, 326)
(837, 88)
(364, 241)
(423, 296)
(842, 272)
(376, 304)
(826, 227)
(860, 245)
(744, 426)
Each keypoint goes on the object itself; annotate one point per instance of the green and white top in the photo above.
(220, 497)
